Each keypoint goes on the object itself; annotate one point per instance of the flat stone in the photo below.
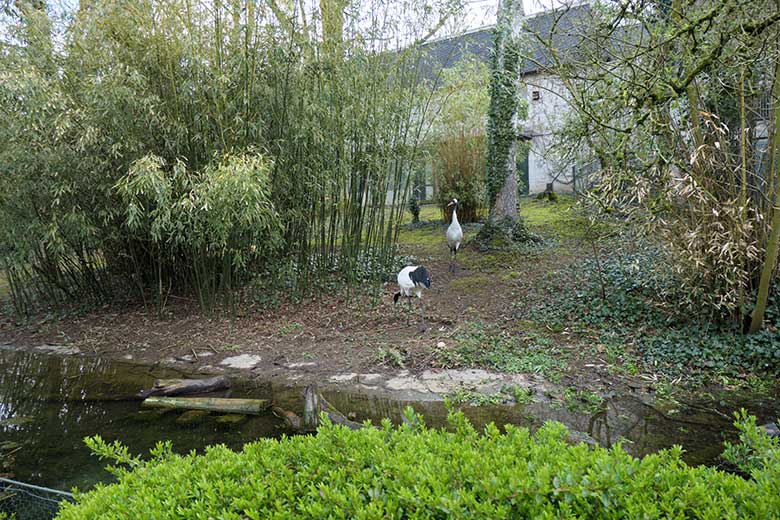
(429, 375)
(442, 386)
(192, 417)
(441, 344)
(343, 378)
(771, 429)
(230, 419)
(406, 383)
(303, 364)
(127, 357)
(370, 379)
(242, 361)
(57, 349)
(473, 375)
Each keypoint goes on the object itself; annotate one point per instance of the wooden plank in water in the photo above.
(211, 404)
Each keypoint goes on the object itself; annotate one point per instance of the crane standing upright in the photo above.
(454, 234)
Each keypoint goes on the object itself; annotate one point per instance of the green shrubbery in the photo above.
(163, 148)
(415, 472)
(632, 296)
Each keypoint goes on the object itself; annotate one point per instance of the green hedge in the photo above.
(415, 472)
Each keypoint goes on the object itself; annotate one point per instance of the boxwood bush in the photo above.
(415, 472)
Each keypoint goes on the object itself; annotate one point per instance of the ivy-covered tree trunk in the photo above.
(507, 109)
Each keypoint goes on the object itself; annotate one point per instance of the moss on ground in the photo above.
(559, 219)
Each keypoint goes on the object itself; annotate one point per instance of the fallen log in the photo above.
(171, 387)
(211, 404)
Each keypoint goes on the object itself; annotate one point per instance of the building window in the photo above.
(536, 95)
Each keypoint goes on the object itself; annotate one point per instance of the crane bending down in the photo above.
(412, 279)
(454, 234)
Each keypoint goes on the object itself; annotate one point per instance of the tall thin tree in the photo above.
(507, 109)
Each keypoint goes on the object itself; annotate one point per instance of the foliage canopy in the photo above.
(415, 472)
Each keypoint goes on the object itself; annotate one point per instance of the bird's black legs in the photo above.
(453, 260)
(422, 316)
(408, 314)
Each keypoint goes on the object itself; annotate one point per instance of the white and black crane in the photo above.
(412, 279)
(454, 234)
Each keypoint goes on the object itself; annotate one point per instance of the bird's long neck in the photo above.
(455, 215)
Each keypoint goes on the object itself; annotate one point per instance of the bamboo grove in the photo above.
(166, 146)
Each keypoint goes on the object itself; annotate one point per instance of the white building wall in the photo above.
(545, 116)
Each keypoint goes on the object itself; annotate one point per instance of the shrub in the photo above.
(415, 472)
(414, 208)
(459, 165)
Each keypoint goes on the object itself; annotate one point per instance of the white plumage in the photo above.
(408, 287)
(412, 279)
(454, 233)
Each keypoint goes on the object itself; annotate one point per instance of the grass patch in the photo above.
(391, 357)
(471, 398)
(471, 283)
(290, 328)
(487, 346)
(428, 212)
(507, 394)
(560, 219)
(582, 401)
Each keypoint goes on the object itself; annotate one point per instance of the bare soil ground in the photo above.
(333, 334)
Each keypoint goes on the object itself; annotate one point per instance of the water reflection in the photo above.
(48, 404)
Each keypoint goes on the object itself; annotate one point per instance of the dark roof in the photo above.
(568, 23)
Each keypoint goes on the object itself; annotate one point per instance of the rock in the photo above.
(192, 417)
(57, 349)
(441, 344)
(231, 419)
(406, 383)
(303, 364)
(242, 361)
(577, 437)
(343, 378)
(370, 379)
(771, 429)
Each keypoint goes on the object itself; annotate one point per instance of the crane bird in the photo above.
(412, 279)
(454, 234)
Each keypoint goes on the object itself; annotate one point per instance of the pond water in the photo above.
(49, 403)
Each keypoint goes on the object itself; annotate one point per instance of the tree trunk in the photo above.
(505, 205)
(773, 244)
(507, 109)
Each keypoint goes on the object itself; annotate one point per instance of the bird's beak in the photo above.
(450, 204)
